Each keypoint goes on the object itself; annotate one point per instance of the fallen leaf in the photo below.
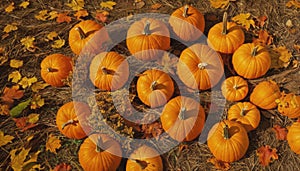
(5, 139)
(289, 23)
(218, 164)
(27, 82)
(37, 102)
(81, 13)
(285, 55)
(292, 3)
(152, 130)
(33, 118)
(19, 108)
(58, 43)
(169, 63)
(24, 160)
(52, 15)
(11, 94)
(76, 5)
(156, 6)
(51, 35)
(281, 132)
(24, 4)
(139, 4)
(14, 63)
(10, 7)
(108, 4)
(10, 27)
(53, 143)
(37, 86)
(245, 20)
(14, 77)
(260, 21)
(23, 124)
(266, 155)
(62, 167)
(63, 17)
(102, 16)
(4, 109)
(219, 3)
(28, 42)
(42, 15)
(264, 38)
(297, 47)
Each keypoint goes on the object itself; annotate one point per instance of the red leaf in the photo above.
(280, 132)
(10, 94)
(266, 154)
(22, 123)
(62, 167)
(220, 165)
(63, 17)
(102, 16)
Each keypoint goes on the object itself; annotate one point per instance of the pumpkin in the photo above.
(109, 71)
(81, 33)
(293, 137)
(187, 23)
(234, 88)
(147, 39)
(144, 158)
(251, 61)
(228, 141)
(264, 94)
(100, 152)
(183, 118)
(71, 119)
(154, 88)
(225, 37)
(246, 114)
(200, 67)
(289, 105)
(55, 68)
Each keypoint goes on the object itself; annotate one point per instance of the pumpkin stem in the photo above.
(254, 51)
(143, 164)
(81, 32)
(243, 111)
(202, 65)
(181, 114)
(185, 10)
(226, 131)
(107, 71)
(98, 148)
(147, 28)
(52, 70)
(153, 85)
(71, 121)
(224, 30)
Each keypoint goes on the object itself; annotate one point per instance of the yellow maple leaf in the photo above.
(14, 63)
(19, 162)
(37, 102)
(108, 4)
(291, 3)
(15, 76)
(280, 57)
(76, 5)
(24, 4)
(27, 82)
(38, 86)
(58, 43)
(33, 118)
(51, 35)
(53, 143)
(10, 7)
(28, 42)
(4, 109)
(219, 3)
(53, 15)
(5, 139)
(42, 15)
(10, 27)
(245, 20)
(81, 13)
(285, 55)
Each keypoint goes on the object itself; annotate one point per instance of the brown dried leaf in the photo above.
(23, 123)
(152, 130)
(260, 21)
(280, 132)
(156, 6)
(218, 164)
(11, 94)
(264, 38)
(266, 155)
(53, 143)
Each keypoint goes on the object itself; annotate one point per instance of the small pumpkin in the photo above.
(147, 39)
(225, 37)
(234, 88)
(293, 137)
(264, 94)
(183, 118)
(109, 71)
(154, 88)
(187, 23)
(55, 68)
(251, 61)
(71, 119)
(100, 152)
(200, 67)
(246, 114)
(144, 158)
(289, 105)
(228, 141)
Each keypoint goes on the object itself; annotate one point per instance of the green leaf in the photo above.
(17, 110)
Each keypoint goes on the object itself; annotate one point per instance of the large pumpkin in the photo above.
(71, 120)
(289, 105)
(154, 88)
(244, 113)
(200, 67)
(228, 141)
(225, 37)
(293, 137)
(187, 23)
(234, 88)
(147, 39)
(144, 158)
(183, 118)
(55, 68)
(109, 71)
(100, 152)
(264, 94)
(251, 61)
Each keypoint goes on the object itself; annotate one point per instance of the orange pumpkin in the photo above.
(225, 37)
(147, 39)
(55, 68)
(71, 120)
(183, 118)
(109, 71)
(234, 88)
(200, 67)
(144, 158)
(228, 141)
(264, 94)
(246, 114)
(100, 152)
(187, 23)
(289, 105)
(293, 137)
(154, 88)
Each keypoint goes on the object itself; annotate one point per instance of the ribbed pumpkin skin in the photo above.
(234, 88)
(188, 28)
(289, 105)
(293, 137)
(148, 47)
(186, 129)
(228, 150)
(161, 94)
(200, 78)
(246, 114)
(62, 66)
(89, 27)
(145, 154)
(264, 94)
(249, 66)
(77, 111)
(113, 62)
(107, 160)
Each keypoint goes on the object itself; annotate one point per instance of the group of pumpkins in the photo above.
(200, 67)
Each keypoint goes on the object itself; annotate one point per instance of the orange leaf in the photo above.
(156, 6)
(220, 165)
(63, 17)
(280, 132)
(23, 124)
(11, 94)
(4, 109)
(260, 21)
(102, 16)
(62, 167)
(266, 154)
(81, 13)
(152, 130)
(264, 38)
